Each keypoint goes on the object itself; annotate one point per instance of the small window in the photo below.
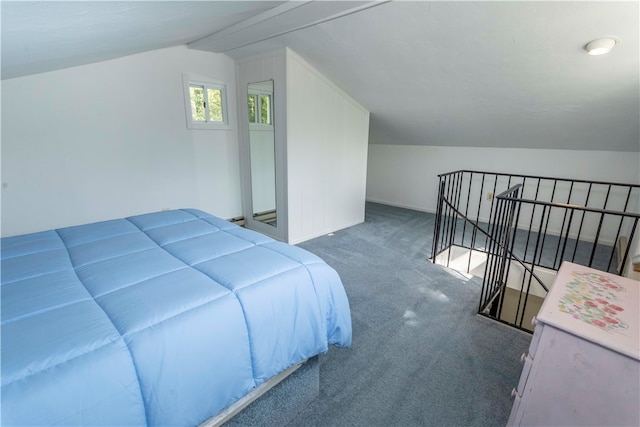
(205, 102)
(260, 108)
(253, 103)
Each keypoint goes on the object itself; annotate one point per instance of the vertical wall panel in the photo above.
(322, 138)
(327, 145)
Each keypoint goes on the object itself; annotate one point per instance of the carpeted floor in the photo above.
(420, 355)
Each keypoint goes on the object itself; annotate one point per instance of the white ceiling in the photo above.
(479, 73)
(39, 36)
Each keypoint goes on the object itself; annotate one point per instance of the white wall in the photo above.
(407, 175)
(327, 142)
(109, 139)
(321, 139)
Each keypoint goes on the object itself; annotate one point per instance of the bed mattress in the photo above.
(157, 319)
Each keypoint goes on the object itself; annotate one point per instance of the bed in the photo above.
(164, 318)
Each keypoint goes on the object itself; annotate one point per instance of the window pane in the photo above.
(215, 105)
(252, 108)
(197, 103)
(265, 109)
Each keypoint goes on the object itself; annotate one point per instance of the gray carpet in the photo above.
(420, 355)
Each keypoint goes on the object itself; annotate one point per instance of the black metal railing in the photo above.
(531, 227)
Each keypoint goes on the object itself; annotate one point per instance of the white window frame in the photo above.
(189, 80)
(257, 125)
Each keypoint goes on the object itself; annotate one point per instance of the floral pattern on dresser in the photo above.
(592, 298)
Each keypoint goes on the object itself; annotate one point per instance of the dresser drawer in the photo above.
(513, 417)
(526, 369)
(535, 340)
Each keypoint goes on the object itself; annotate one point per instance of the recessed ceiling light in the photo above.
(600, 46)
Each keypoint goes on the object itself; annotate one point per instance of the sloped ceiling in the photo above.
(40, 36)
(477, 74)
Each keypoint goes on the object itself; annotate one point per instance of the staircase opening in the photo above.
(515, 231)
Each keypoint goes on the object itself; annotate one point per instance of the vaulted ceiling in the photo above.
(446, 73)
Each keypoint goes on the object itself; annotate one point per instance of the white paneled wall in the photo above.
(327, 142)
(109, 139)
(321, 139)
(407, 175)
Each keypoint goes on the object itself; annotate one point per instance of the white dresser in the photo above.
(583, 366)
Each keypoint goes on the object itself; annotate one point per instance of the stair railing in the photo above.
(540, 230)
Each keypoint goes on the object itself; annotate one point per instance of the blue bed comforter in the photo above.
(158, 319)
